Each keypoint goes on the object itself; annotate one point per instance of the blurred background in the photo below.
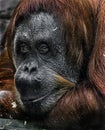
(6, 9)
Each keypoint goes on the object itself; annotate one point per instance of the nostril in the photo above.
(26, 69)
(34, 69)
(29, 69)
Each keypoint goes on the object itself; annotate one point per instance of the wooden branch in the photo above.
(11, 124)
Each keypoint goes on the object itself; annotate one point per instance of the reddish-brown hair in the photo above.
(69, 13)
(77, 17)
(97, 61)
(83, 22)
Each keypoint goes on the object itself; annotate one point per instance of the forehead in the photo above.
(40, 24)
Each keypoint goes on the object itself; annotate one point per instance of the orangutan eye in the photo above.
(24, 48)
(43, 48)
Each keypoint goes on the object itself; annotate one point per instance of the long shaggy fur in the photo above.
(83, 22)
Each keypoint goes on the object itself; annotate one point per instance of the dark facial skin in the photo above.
(39, 55)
